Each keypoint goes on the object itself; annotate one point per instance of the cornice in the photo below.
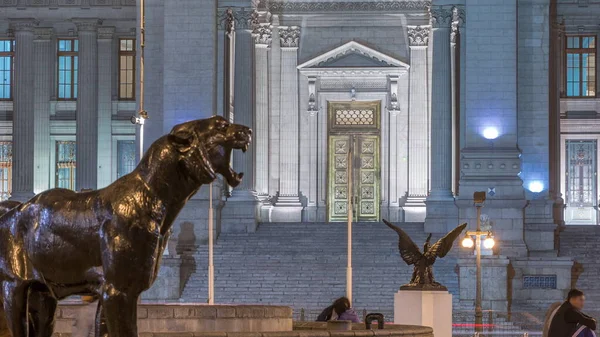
(418, 36)
(343, 6)
(67, 3)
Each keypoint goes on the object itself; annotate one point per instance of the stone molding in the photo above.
(238, 17)
(418, 36)
(27, 25)
(337, 6)
(43, 34)
(289, 36)
(490, 163)
(87, 25)
(67, 3)
(263, 35)
(441, 16)
(106, 33)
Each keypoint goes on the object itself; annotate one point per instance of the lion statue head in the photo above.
(204, 147)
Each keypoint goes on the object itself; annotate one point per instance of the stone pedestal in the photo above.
(414, 209)
(494, 282)
(240, 213)
(546, 268)
(168, 283)
(427, 308)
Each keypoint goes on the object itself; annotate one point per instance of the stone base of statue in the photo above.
(425, 307)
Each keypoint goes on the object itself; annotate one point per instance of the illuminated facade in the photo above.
(427, 102)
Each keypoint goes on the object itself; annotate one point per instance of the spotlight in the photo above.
(536, 186)
(490, 133)
(137, 120)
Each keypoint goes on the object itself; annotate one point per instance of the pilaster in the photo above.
(288, 206)
(42, 77)
(23, 111)
(275, 107)
(418, 138)
(87, 105)
(262, 39)
(441, 211)
(105, 52)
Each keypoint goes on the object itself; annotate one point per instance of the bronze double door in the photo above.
(354, 161)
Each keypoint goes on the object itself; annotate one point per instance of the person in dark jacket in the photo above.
(340, 310)
(568, 321)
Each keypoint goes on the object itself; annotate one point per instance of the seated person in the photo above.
(568, 321)
(340, 310)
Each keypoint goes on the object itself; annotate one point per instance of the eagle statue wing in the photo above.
(443, 246)
(409, 251)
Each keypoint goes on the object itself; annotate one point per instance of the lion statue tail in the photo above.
(4, 332)
(5, 206)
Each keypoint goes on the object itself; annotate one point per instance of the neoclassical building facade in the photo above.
(405, 107)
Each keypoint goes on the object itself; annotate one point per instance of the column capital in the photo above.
(289, 36)
(86, 25)
(459, 16)
(418, 36)
(235, 18)
(43, 34)
(106, 33)
(441, 16)
(262, 35)
(23, 25)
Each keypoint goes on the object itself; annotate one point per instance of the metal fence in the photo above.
(495, 323)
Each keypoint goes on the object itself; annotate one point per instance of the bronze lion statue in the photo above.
(108, 243)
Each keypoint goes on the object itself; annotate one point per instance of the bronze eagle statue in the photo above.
(422, 277)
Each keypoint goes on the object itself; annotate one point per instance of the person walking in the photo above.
(568, 320)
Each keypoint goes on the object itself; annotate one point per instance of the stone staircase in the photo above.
(582, 243)
(304, 265)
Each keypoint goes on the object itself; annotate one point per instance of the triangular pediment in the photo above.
(353, 55)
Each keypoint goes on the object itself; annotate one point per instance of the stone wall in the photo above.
(181, 319)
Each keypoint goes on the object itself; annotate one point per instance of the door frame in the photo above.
(350, 130)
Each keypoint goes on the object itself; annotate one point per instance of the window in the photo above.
(127, 69)
(126, 157)
(67, 69)
(7, 67)
(5, 170)
(581, 66)
(65, 164)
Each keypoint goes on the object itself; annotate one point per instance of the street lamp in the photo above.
(488, 243)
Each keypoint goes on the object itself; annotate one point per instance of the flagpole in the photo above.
(142, 113)
(350, 196)
(211, 267)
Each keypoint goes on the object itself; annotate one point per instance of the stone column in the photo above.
(418, 139)
(105, 155)
(288, 198)
(440, 203)
(262, 38)
(87, 105)
(23, 111)
(42, 79)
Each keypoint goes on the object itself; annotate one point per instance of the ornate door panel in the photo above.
(581, 196)
(354, 140)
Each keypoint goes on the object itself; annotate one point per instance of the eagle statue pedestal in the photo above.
(431, 308)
